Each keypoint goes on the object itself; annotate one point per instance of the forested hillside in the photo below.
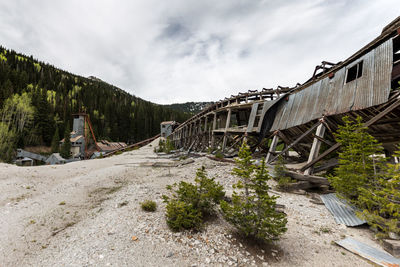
(36, 98)
(190, 107)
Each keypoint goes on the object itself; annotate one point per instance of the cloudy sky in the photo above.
(190, 50)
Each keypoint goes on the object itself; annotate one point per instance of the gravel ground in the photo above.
(88, 214)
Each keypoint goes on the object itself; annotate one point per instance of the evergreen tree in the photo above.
(358, 164)
(252, 210)
(65, 150)
(55, 141)
(382, 201)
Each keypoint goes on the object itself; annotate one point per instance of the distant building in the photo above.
(55, 158)
(24, 162)
(78, 137)
(106, 146)
(167, 127)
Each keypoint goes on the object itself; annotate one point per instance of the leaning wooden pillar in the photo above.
(227, 124)
(205, 134)
(214, 126)
(272, 148)
(315, 147)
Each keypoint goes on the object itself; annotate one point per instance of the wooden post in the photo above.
(228, 120)
(205, 142)
(213, 128)
(272, 148)
(315, 148)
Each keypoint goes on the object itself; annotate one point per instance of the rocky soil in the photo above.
(88, 214)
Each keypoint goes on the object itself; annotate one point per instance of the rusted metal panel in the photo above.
(377, 256)
(335, 88)
(296, 107)
(283, 114)
(308, 102)
(314, 102)
(342, 212)
(346, 99)
(365, 84)
(382, 72)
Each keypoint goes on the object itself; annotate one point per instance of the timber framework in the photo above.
(303, 118)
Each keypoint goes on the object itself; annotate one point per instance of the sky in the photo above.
(189, 50)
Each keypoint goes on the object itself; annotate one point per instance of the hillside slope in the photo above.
(55, 94)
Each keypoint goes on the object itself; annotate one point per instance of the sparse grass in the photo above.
(149, 205)
(325, 230)
(62, 203)
(32, 222)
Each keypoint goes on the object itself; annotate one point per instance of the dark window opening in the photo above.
(354, 72)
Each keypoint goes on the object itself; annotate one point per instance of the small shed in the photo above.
(55, 158)
(167, 127)
(24, 162)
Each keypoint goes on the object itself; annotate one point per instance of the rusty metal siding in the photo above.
(334, 96)
(346, 99)
(297, 105)
(335, 91)
(365, 90)
(317, 101)
(308, 103)
(383, 70)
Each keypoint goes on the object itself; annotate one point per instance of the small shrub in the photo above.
(194, 201)
(182, 216)
(149, 205)
(165, 146)
(219, 154)
(62, 203)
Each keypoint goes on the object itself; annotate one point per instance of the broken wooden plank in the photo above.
(310, 178)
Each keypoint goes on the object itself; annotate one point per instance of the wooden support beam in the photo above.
(252, 117)
(367, 124)
(315, 147)
(310, 178)
(272, 148)
(214, 126)
(228, 121)
(296, 141)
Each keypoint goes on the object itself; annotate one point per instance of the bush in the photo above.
(252, 210)
(149, 205)
(181, 216)
(188, 200)
(165, 146)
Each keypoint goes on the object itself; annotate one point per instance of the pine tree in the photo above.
(382, 201)
(358, 164)
(252, 210)
(55, 141)
(65, 150)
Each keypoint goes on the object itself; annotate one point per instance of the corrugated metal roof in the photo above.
(379, 257)
(333, 96)
(342, 212)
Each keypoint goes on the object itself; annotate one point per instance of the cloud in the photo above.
(176, 51)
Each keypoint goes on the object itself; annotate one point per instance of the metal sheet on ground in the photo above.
(377, 256)
(342, 212)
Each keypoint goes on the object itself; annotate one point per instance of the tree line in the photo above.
(50, 96)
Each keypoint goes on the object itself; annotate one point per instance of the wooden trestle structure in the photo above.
(303, 118)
